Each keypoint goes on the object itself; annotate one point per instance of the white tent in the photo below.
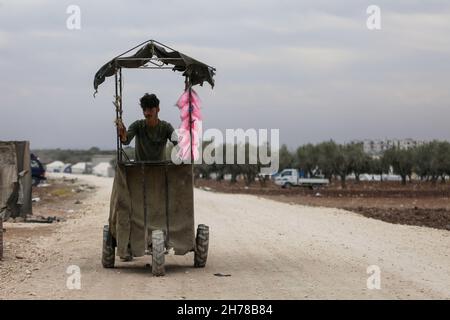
(67, 168)
(103, 169)
(81, 167)
(55, 166)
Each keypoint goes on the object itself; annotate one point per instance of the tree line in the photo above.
(430, 162)
(70, 155)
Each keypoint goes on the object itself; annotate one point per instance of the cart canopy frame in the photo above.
(155, 55)
(152, 54)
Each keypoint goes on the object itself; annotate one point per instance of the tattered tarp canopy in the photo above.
(155, 53)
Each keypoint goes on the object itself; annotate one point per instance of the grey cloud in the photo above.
(310, 68)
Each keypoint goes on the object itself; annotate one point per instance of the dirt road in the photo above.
(271, 250)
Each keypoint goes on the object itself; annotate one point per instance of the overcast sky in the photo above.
(309, 68)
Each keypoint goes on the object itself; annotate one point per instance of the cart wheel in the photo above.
(158, 251)
(109, 252)
(201, 246)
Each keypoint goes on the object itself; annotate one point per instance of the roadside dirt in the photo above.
(270, 249)
(25, 242)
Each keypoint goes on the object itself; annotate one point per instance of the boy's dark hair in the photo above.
(149, 101)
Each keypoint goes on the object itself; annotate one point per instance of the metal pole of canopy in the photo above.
(190, 122)
(144, 197)
(120, 108)
(187, 87)
(116, 104)
(166, 185)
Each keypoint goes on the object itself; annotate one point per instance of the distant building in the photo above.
(377, 147)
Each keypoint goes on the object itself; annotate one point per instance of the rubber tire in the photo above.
(201, 246)
(109, 250)
(158, 253)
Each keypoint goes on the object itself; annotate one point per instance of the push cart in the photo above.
(152, 202)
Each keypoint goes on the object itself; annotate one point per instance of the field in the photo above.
(416, 203)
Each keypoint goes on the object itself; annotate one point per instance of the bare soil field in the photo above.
(417, 203)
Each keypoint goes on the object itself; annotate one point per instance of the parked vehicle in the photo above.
(293, 177)
(37, 170)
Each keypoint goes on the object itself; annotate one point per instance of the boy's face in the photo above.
(151, 113)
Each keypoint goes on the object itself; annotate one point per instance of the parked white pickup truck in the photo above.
(291, 177)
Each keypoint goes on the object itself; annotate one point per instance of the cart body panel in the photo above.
(127, 220)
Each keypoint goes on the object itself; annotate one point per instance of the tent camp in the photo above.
(55, 166)
(82, 168)
(103, 169)
(96, 159)
(67, 168)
